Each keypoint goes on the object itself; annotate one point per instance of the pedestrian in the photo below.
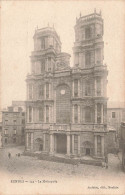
(9, 155)
(18, 154)
(106, 162)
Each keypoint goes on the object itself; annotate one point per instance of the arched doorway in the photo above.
(87, 148)
(63, 104)
(38, 144)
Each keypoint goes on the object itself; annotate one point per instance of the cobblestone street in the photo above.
(31, 166)
(25, 167)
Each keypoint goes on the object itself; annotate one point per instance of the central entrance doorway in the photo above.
(61, 143)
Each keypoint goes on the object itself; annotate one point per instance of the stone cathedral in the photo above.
(67, 106)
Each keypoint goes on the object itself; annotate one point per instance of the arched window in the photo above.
(87, 88)
(88, 59)
(47, 90)
(88, 33)
(41, 91)
(41, 114)
(88, 114)
(42, 65)
(98, 113)
(76, 88)
(98, 81)
(76, 113)
(30, 91)
(47, 114)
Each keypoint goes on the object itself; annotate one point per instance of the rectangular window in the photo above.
(6, 132)
(6, 122)
(41, 114)
(47, 114)
(14, 121)
(30, 114)
(41, 91)
(23, 121)
(47, 90)
(15, 131)
(76, 88)
(113, 115)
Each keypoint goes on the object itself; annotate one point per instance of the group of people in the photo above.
(9, 155)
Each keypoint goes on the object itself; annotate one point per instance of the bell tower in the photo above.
(46, 46)
(88, 46)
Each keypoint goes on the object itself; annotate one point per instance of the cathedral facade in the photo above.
(67, 106)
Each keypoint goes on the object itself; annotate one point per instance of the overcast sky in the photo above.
(18, 23)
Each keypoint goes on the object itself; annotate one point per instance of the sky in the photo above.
(19, 20)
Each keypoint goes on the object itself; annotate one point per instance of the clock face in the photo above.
(62, 91)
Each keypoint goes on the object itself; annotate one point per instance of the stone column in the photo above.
(49, 90)
(49, 114)
(95, 88)
(72, 113)
(95, 113)
(55, 143)
(101, 113)
(54, 109)
(68, 144)
(102, 87)
(45, 91)
(28, 114)
(27, 144)
(51, 144)
(72, 144)
(95, 145)
(44, 141)
(73, 88)
(32, 92)
(78, 88)
(45, 114)
(79, 118)
(78, 144)
(102, 145)
(32, 115)
(31, 141)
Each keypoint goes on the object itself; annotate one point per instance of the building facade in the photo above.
(116, 115)
(122, 139)
(13, 127)
(67, 107)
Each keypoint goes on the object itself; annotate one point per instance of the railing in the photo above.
(60, 127)
(66, 127)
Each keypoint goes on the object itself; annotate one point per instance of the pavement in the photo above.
(31, 166)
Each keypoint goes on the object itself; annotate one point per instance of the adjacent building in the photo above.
(115, 115)
(0, 135)
(67, 107)
(122, 138)
(13, 127)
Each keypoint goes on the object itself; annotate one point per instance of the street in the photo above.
(31, 166)
(30, 169)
